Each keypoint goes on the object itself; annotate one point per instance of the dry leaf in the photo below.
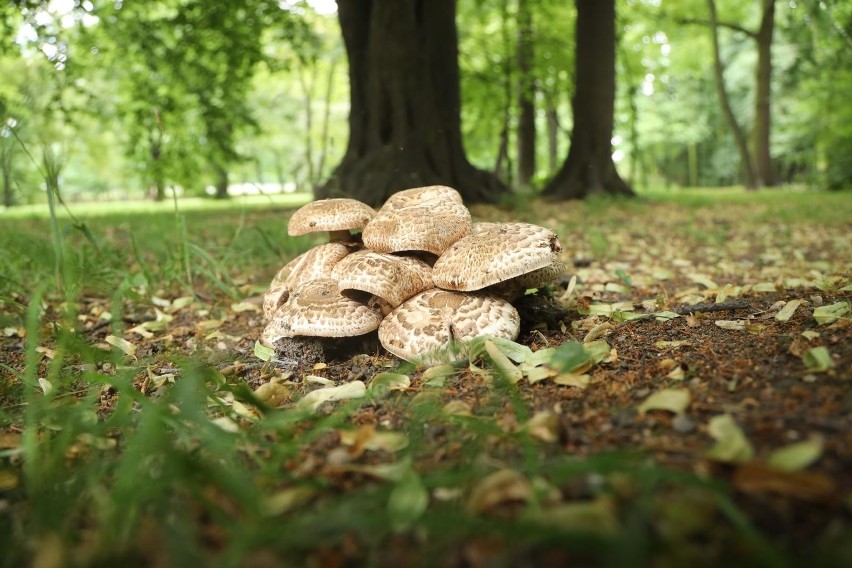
(313, 400)
(503, 486)
(671, 400)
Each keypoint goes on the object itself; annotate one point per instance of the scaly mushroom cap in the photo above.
(315, 263)
(390, 277)
(514, 288)
(317, 309)
(338, 214)
(420, 195)
(422, 328)
(420, 219)
(495, 254)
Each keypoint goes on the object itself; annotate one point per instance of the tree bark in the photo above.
(6, 150)
(221, 182)
(526, 96)
(763, 97)
(404, 120)
(727, 111)
(552, 138)
(589, 168)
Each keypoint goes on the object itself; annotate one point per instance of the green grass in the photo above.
(157, 479)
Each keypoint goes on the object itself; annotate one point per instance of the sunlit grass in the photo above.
(140, 206)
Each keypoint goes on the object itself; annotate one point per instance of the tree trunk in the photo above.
(6, 151)
(221, 183)
(552, 138)
(526, 96)
(763, 97)
(727, 111)
(404, 120)
(589, 167)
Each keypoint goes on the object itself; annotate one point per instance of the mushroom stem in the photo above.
(339, 236)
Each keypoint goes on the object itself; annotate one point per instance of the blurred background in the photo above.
(124, 100)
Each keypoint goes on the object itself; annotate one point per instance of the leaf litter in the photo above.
(756, 394)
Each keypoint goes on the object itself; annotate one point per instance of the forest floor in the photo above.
(683, 396)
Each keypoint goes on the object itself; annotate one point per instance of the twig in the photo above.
(716, 307)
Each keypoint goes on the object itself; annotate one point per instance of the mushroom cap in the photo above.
(317, 309)
(318, 262)
(337, 214)
(424, 218)
(422, 328)
(420, 195)
(514, 288)
(495, 254)
(390, 277)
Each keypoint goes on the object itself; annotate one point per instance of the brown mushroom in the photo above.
(427, 327)
(419, 219)
(317, 309)
(315, 263)
(495, 254)
(338, 216)
(390, 277)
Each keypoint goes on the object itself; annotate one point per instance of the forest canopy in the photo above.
(126, 99)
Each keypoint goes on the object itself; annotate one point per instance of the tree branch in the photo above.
(728, 25)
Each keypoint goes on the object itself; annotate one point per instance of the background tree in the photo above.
(589, 168)
(404, 118)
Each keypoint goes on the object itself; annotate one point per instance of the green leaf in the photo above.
(818, 359)
(382, 383)
(597, 350)
(731, 446)
(570, 356)
(408, 501)
(514, 351)
(263, 352)
(831, 313)
(798, 456)
(672, 400)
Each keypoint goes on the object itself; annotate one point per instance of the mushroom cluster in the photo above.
(422, 273)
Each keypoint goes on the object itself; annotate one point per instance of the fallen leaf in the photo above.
(288, 499)
(671, 344)
(437, 376)
(817, 360)
(731, 446)
(797, 456)
(122, 344)
(732, 325)
(382, 383)
(671, 400)
(368, 438)
(245, 307)
(46, 386)
(788, 310)
(543, 426)
(831, 313)
(313, 400)
(272, 393)
(458, 408)
(503, 486)
(209, 324)
(598, 516)
(580, 381)
(756, 477)
(263, 352)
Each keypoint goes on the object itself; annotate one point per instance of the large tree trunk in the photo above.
(526, 96)
(404, 121)
(589, 167)
(763, 97)
(727, 111)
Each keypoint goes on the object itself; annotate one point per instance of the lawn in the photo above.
(682, 397)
